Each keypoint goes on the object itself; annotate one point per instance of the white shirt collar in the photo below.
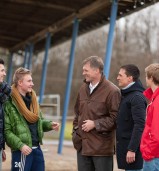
(92, 87)
(129, 85)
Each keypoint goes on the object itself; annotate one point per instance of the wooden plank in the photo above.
(65, 22)
(48, 105)
(43, 5)
(9, 38)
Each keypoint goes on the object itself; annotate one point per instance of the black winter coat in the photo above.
(5, 91)
(130, 125)
(1, 127)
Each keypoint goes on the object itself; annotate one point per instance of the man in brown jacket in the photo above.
(95, 117)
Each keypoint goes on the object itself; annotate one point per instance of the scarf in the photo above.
(5, 91)
(30, 115)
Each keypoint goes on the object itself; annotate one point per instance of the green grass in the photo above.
(68, 130)
(55, 135)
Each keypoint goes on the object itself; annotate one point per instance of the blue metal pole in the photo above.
(68, 85)
(26, 56)
(109, 47)
(31, 47)
(44, 71)
(9, 69)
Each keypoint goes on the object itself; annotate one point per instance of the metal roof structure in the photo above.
(27, 21)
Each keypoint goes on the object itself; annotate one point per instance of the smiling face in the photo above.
(2, 73)
(25, 84)
(123, 79)
(91, 74)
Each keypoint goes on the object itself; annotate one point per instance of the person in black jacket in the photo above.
(4, 93)
(131, 119)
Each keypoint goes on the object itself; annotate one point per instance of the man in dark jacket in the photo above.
(131, 119)
(94, 124)
(4, 93)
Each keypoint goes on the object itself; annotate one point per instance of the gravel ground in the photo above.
(53, 161)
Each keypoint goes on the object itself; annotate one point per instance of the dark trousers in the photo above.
(32, 162)
(94, 163)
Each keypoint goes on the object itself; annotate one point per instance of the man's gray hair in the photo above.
(95, 62)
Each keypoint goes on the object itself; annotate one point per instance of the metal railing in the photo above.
(51, 106)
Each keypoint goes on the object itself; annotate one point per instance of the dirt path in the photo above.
(54, 161)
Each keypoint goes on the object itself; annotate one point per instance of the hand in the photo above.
(130, 157)
(26, 150)
(3, 156)
(55, 126)
(88, 125)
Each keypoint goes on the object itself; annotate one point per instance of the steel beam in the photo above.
(44, 71)
(9, 69)
(69, 82)
(31, 47)
(109, 47)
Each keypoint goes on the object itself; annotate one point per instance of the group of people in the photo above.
(21, 122)
(110, 120)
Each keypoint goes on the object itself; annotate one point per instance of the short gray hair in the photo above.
(95, 62)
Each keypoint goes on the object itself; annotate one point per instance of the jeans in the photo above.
(152, 165)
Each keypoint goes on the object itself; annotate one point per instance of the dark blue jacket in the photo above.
(5, 91)
(130, 125)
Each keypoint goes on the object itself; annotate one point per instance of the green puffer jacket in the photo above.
(17, 132)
